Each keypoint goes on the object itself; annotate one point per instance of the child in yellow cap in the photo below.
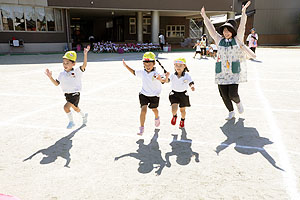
(151, 89)
(180, 81)
(70, 82)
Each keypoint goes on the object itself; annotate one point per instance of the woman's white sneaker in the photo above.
(240, 107)
(230, 115)
(84, 119)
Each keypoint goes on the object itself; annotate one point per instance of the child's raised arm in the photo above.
(49, 74)
(85, 52)
(129, 69)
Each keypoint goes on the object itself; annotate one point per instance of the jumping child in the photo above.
(70, 82)
(151, 89)
(180, 81)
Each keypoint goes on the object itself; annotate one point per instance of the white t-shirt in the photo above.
(198, 48)
(151, 86)
(161, 39)
(70, 82)
(180, 84)
(214, 47)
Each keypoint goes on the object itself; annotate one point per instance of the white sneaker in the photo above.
(240, 107)
(230, 115)
(84, 119)
(70, 125)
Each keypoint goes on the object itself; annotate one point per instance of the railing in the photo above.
(195, 30)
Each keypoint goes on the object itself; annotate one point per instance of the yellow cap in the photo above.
(180, 61)
(149, 56)
(71, 55)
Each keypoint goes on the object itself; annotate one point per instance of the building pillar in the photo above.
(230, 15)
(140, 27)
(67, 28)
(155, 27)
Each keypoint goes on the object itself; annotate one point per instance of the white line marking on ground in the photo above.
(288, 175)
(167, 140)
(88, 99)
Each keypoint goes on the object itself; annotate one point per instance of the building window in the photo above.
(175, 31)
(19, 20)
(146, 25)
(58, 19)
(27, 18)
(132, 25)
(7, 18)
(30, 18)
(41, 19)
(50, 19)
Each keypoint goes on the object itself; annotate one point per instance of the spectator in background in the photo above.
(252, 40)
(92, 40)
(213, 49)
(203, 44)
(161, 41)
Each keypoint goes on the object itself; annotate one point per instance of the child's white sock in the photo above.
(81, 113)
(70, 116)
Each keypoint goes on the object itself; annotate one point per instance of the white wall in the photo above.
(33, 48)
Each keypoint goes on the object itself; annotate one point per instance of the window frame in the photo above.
(132, 23)
(36, 22)
(175, 31)
(147, 23)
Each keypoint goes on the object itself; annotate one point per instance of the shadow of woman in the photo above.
(182, 149)
(61, 148)
(149, 155)
(246, 139)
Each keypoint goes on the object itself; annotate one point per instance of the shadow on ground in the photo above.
(149, 156)
(182, 149)
(61, 148)
(246, 139)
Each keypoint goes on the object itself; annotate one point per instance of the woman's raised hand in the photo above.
(203, 14)
(244, 7)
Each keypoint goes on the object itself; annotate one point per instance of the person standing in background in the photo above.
(161, 41)
(252, 40)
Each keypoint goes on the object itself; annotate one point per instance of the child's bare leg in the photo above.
(67, 107)
(77, 109)
(155, 111)
(195, 54)
(183, 113)
(143, 115)
(174, 108)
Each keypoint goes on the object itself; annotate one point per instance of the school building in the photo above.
(276, 21)
(51, 25)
